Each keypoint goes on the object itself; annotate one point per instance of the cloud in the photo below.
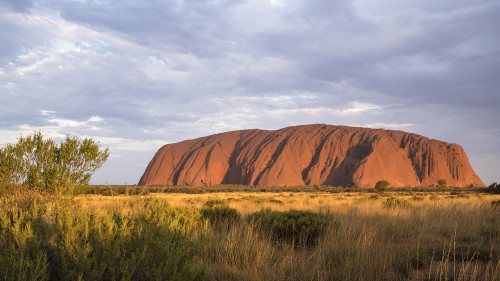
(390, 126)
(136, 74)
(22, 6)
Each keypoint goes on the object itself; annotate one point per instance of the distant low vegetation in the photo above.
(382, 185)
(442, 182)
(112, 190)
(40, 164)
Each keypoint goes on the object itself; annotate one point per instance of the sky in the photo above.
(138, 74)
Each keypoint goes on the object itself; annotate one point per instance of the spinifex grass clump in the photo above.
(495, 203)
(214, 202)
(395, 202)
(294, 226)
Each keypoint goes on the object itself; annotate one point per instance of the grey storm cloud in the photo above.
(23, 6)
(139, 74)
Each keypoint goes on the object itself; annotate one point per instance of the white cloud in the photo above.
(95, 119)
(47, 112)
(356, 107)
(390, 126)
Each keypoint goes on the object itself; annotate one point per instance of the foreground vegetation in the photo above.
(251, 236)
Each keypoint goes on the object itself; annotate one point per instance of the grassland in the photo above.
(246, 233)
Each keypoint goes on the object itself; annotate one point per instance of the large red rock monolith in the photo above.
(311, 155)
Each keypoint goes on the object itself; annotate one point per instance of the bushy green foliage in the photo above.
(53, 241)
(41, 164)
(382, 185)
(220, 215)
(442, 182)
(494, 188)
(395, 202)
(294, 226)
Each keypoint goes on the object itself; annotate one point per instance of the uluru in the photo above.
(316, 154)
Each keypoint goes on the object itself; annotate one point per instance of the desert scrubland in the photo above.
(252, 235)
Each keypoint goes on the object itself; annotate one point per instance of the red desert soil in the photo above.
(311, 155)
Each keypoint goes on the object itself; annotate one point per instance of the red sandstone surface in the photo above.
(311, 155)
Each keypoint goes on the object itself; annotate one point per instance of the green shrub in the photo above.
(395, 202)
(494, 188)
(442, 182)
(382, 185)
(220, 215)
(294, 226)
(41, 164)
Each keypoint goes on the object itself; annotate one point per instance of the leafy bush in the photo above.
(442, 182)
(494, 188)
(301, 227)
(382, 185)
(220, 215)
(395, 202)
(41, 164)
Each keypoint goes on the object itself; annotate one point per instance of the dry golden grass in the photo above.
(387, 236)
(367, 236)
(249, 202)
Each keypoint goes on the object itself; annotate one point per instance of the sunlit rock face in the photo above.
(311, 155)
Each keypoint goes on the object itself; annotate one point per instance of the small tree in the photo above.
(442, 182)
(41, 164)
(494, 188)
(382, 185)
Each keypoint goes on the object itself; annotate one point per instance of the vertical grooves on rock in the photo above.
(274, 157)
(315, 158)
(311, 154)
